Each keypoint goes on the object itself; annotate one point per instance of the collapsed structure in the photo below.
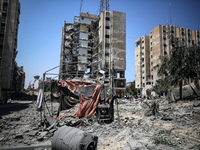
(149, 48)
(95, 46)
(12, 77)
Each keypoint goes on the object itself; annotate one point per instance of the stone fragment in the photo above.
(32, 133)
(15, 118)
(42, 134)
(1, 139)
(18, 136)
(196, 104)
(40, 138)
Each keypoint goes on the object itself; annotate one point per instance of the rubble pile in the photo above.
(175, 126)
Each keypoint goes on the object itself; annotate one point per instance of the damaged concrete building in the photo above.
(9, 17)
(149, 48)
(95, 46)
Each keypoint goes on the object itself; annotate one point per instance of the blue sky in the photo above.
(41, 22)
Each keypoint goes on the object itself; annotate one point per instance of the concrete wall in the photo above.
(9, 49)
(147, 53)
(118, 36)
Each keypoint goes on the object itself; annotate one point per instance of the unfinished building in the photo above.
(9, 17)
(149, 48)
(95, 46)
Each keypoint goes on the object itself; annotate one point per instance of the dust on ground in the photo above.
(176, 126)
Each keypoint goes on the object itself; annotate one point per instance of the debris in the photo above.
(196, 104)
(40, 138)
(188, 92)
(180, 122)
(153, 109)
(18, 136)
(15, 118)
(73, 138)
(32, 133)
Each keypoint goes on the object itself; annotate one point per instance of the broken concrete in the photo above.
(133, 130)
(188, 92)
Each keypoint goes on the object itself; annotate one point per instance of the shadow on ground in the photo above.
(9, 108)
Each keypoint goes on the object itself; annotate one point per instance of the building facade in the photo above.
(95, 46)
(149, 48)
(9, 23)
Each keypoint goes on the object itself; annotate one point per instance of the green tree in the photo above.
(162, 85)
(180, 65)
(131, 88)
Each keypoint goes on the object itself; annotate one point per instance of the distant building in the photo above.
(18, 79)
(9, 17)
(149, 48)
(95, 46)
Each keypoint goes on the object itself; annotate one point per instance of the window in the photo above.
(107, 45)
(192, 42)
(151, 56)
(107, 27)
(107, 36)
(107, 19)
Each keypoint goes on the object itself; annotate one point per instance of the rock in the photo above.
(127, 118)
(196, 103)
(32, 133)
(42, 134)
(40, 138)
(18, 136)
(52, 130)
(15, 119)
(131, 118)
(49, 134)
(152, 119)
(166, 118)
(140, 122)
(1, 139)
(36, 128)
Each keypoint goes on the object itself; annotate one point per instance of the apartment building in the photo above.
(9, 23)
(95, 46)
(149, 48)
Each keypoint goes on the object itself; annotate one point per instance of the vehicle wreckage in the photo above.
(92, 101)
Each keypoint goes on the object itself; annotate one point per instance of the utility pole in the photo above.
(81, 6)
(170, 13)
(104, 5)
